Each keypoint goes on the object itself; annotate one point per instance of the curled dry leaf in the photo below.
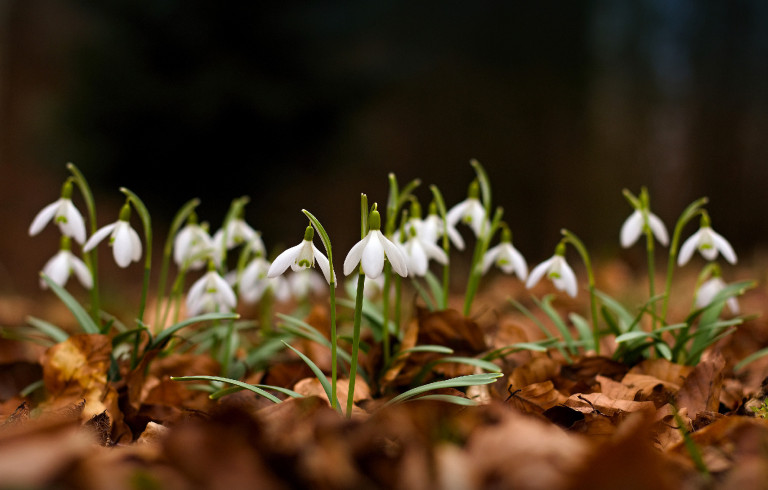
(663, 370)
(450, 329)
(539, 369)
(536, 397)
(701, 389)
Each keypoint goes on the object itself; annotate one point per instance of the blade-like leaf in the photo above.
(166, 334)
(461, 381)
(235, 382)
(83, 318)
(318, 373)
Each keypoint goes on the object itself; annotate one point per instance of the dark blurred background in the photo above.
(307, 104)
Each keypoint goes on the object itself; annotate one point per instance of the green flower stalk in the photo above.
(370, 253)
(642, 221)
(690, 212)
(582, 250)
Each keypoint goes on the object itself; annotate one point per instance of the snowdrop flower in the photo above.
(192, 245)
(709, 289)
(254, 281)
(210, 293)
(64, 214)
(125, 243)
(708, 242)
(302, 256)
(469, 211)
(432, 228)
(61, 266)
(556, 269)
(419, 251)
(633, 228)
(371, 251)
(236, 232)
(506, 257)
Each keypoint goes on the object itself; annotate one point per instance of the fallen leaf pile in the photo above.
(546, 424)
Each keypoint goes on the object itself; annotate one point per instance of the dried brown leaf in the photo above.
(701, 389)
(536, 397)
(537, 370)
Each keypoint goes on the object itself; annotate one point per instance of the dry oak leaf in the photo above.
(663, 370)
(536, 397)
(598, 402)
(701, 390)
(537, 370)
(77, 369)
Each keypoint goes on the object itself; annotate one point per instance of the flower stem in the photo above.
(356, 339)
(440, 204)
(688, 214)
(358, 309)
(176, 223)
(90, 258)
(329, 251)
(582, 250)
(481, 246)
(385, 312)
(143, 213)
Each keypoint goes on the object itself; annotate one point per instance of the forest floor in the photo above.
(587, 421)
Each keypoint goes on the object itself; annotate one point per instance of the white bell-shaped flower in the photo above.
(371, 251)
(63, 264)
(210, 293)
(557, 270)
(301, 256)
(708, 242)
(125, 242)
(506, 257)
(64, 214)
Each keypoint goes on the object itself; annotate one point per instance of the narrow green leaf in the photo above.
(750, 358)
(427, 348)
(246, 386)
(57, 334)
(166, 334)
(585, 331)
(318, 373)
(456, 400)
(82, 316)
(461, 381)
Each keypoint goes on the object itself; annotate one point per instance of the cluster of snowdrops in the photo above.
(401, 243)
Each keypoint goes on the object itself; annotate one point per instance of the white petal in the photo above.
(434, 252)
(224, 294)
(82, 272)
(322, 261)
(689, 246)
(521, 268)
(355, 255)
(658, 229)
(57, 268)
(538, 272)
(97, 237)
(724, 247)
(490, 257)
(456, 213)
(631, 229)
(42, 218)
(567, 279)
(284, 260)
(135, 244)
(122, 246)
(478, 223)
(455, 238)
(74, 226)
(394, 254)
(373, 255)
(417, 259)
